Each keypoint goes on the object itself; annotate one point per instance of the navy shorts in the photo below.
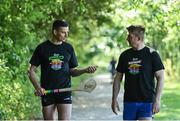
(137, 110)
(58, 98)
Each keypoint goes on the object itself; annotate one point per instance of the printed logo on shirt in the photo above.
(56, 61)
(68, 98)
(134, 66)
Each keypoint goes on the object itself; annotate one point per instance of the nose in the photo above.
(128, 38)
(66, 34)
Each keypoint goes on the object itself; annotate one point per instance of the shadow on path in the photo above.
(97, 104)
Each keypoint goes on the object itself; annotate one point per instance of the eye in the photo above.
(129, 36)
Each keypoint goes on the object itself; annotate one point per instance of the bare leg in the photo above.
(48, 112)
(64, 111)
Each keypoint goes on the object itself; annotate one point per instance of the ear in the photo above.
(54, 32)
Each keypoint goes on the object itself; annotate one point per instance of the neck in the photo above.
(139, 46)
(56, 42)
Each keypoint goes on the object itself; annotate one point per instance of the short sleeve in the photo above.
(35, 59)
(73, 60)
(120, 66)
(157, 62)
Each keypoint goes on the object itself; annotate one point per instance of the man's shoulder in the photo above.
(150, 49)
(43, 43)
(127, 50)
(67, 45)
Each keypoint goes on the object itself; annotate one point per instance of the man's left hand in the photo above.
(156, 107)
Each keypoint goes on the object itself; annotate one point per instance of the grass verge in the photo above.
(170, 105)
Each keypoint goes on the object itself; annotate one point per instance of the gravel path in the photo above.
(97, 104)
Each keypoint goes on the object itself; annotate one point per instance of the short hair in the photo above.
(138, 30)
(59, 23)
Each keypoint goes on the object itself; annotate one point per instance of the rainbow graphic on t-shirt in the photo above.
(134, 68)
(56, 61)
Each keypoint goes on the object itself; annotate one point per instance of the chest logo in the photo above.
(134, 67)
(56, 61)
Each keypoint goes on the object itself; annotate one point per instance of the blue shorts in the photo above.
(137, 110)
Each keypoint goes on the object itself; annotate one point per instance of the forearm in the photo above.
(77, 72)
(160, 84)
(116, 85)
(32, 77)
(159, 89)
(116, 89)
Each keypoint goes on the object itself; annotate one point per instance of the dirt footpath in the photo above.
(97, 104)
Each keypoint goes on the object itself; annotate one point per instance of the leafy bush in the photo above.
(16, 94)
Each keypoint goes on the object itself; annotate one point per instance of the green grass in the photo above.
(170, 105)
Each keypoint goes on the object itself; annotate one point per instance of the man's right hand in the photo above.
(39, 92)
(115, 107)
(91, 69)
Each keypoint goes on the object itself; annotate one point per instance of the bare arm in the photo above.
(32, 77)
(78, 72)
(116, 89)
(159, 87)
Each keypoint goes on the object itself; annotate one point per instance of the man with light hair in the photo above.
(140, 64)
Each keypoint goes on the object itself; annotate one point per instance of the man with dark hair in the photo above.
(140, 64)
(58, 63)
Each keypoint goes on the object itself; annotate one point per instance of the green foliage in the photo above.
(23, 25)
(15, 97)
(97, 32)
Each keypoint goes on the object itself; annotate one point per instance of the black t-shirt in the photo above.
(139, 68)
(56, 62)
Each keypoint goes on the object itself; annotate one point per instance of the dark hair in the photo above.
(137, 28)
(59, 23)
